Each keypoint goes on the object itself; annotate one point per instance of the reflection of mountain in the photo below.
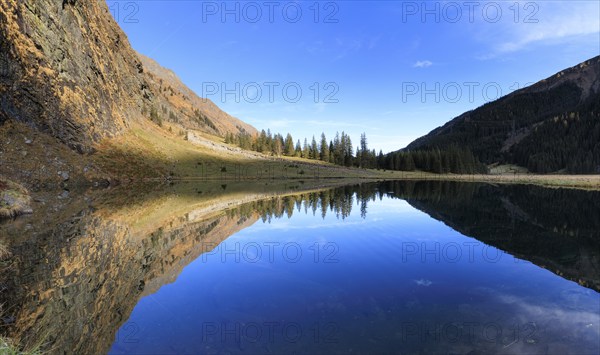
(557, 229)
(78, 272)
(74, 285)
(83, 262)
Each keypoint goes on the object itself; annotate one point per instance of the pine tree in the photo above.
(305, 149)
(347, 150)
(314, 149)
(289, 145)
(324, 153)
(362, 152)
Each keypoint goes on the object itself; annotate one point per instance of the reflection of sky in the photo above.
(385, 211)
(386, 282)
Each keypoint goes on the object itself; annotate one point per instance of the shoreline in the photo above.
(356, 176)
(591, 182)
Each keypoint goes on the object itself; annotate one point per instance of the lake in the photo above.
(393, 267)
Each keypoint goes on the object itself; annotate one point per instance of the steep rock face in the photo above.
(67, 69)
(185, 107)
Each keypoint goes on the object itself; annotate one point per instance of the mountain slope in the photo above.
(188, 109)
(75, 98)
(68, 70)
(553, 125)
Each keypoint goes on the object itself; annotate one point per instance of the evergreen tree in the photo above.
(314, 149)
(305, 149)
(289, 145)
(362, 151)
(277, 145)
(324, 153)
(298, 150)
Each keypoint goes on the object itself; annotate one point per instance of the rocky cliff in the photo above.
(68, 70)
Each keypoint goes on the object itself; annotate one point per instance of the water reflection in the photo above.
(369, 274)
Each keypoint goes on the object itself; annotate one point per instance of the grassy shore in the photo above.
(565, 181)
(8, 348)
(156, 154)
(590, 182)
(14, 200)
(152, 153)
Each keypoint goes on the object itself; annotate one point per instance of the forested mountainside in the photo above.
(551, 126)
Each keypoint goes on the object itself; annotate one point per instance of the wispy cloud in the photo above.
(373, 42)
(314, 47)
(554, 23)
(347, 46)
(338, 48)
(422, 64)
(228, 45)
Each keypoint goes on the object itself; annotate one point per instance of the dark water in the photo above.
(397, 267)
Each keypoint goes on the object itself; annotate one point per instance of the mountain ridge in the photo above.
(191, 108)
(505, 130)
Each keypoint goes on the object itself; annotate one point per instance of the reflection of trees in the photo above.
(338, 201)
(554, 228)
(557, 229)
(79, 274)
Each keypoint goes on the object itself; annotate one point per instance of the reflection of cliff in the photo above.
(82, 263)
(73, 285)
(556, 229)
(83, 260)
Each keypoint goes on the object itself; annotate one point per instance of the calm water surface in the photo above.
(379, 268)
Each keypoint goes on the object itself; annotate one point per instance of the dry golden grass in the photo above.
(149, 152)
(14, 199)
(564, 181)
(153, 152)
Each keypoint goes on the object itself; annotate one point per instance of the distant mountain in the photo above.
(551, 126)
(68, 70)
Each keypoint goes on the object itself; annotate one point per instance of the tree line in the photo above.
(454, 159)
(548, 131)
(340, 151)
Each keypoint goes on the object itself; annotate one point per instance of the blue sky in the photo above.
(392, 69)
